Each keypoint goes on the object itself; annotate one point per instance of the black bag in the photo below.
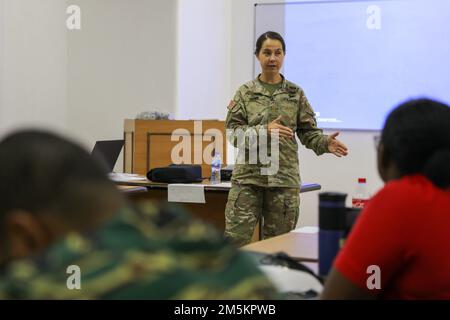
(176, 173)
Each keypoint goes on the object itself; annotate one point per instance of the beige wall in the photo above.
(33, 61)
(85, 82)
(203, 59)
(122, 62)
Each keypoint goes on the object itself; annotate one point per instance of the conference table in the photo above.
(302, 246)
(212, 210)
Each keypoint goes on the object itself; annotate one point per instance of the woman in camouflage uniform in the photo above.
(273, 105)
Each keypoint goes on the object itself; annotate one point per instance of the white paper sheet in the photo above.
(126, 177)
(306, 230)
(190, 193)
(222, 185)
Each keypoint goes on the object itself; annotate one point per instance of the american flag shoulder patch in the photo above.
(231, 105)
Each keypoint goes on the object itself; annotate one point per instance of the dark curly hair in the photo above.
(43, 171)
(416, 137)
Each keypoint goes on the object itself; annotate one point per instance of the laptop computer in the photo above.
(107, 152)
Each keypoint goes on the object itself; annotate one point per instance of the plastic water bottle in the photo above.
(216, 166)
(361, 196)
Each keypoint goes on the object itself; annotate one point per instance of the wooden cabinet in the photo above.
(156, 143)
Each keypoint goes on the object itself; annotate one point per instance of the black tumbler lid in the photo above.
(332, 196)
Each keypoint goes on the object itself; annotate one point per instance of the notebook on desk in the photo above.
(107, 152)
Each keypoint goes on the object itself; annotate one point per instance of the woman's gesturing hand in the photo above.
(335, 146)
(282, 130)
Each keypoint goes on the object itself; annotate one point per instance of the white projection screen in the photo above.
(356, 60)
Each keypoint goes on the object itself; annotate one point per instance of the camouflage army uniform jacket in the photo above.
(253, 108)
(141, 253)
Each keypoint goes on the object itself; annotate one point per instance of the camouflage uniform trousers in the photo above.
(246, 203)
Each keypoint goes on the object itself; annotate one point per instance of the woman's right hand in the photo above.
(282, 130)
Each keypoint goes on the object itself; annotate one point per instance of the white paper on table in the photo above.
(221, 185)
(306, 230)
(183, 192)
(126, 177)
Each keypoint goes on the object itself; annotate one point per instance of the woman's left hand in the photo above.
(335, 146)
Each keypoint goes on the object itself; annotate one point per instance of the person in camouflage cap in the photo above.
(270, 104)
(62, 218)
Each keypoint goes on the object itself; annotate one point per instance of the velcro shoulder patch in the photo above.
(231, 105)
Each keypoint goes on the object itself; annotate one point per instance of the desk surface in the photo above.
(224, 186)
(300, 246)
